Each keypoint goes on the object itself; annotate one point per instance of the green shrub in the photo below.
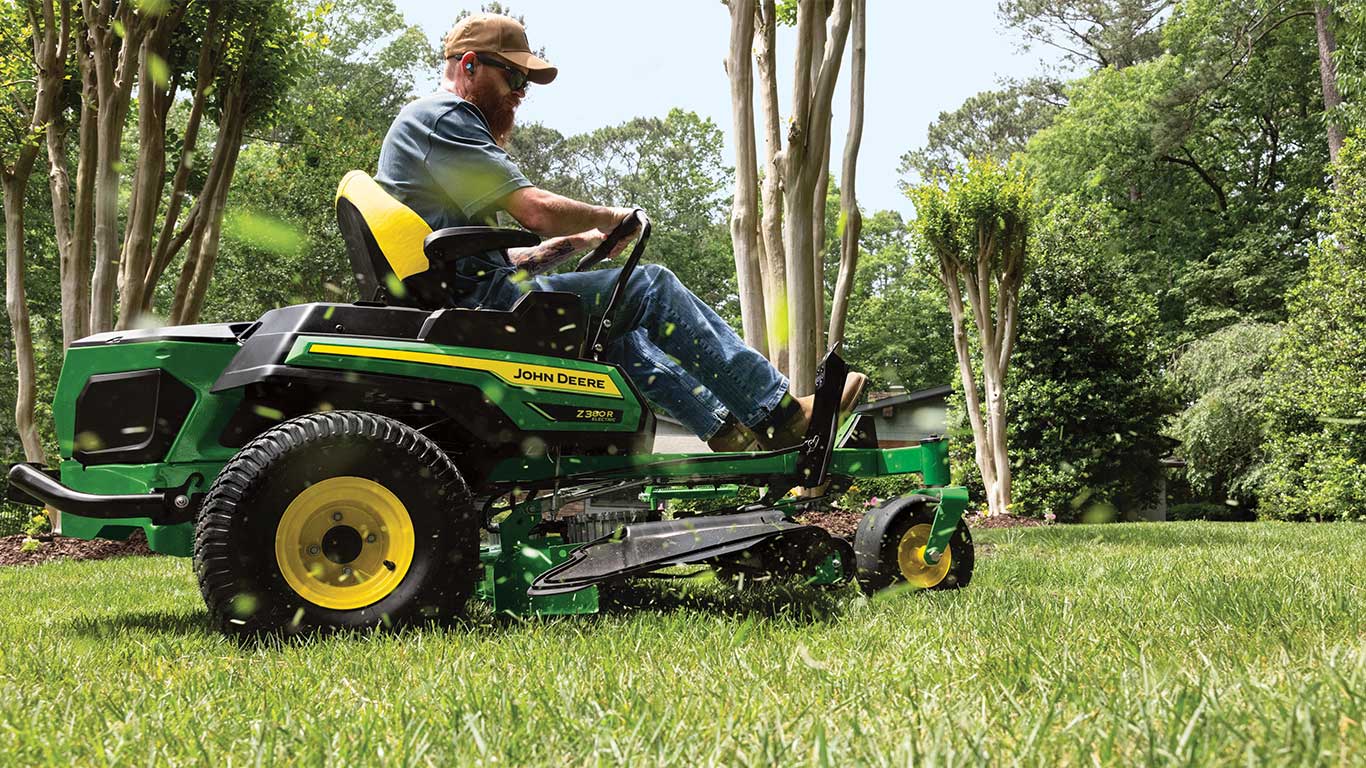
(1222, 382)
(1317, 403)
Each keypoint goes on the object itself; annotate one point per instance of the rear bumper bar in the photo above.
(161, 507)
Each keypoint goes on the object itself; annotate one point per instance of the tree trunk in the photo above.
(771, 226)
(114, 83)
(819, 202)
(801, 292)
(194, 302)
(59, 185)
(52, 68)
(154, 101)
(195, 273)
(1328, 75)
(744, 216)
(49, 49)
(986, 463)
(76, 282)
(849, 211)
(169, 242)
(16, 304)
(807, 136)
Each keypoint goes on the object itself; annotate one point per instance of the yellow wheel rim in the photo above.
(910, 556)
(344, 543)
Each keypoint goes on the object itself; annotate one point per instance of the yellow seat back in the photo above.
(381, 233)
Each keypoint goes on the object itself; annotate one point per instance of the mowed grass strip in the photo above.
(1182, 643)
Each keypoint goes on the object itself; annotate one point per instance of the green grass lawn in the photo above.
(1184, 643)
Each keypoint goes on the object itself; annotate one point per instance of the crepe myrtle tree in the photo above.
(32, 49)
(974, 225)
(88, 63)
(778, 226)
(99, 61)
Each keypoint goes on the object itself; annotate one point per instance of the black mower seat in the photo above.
(389, 244)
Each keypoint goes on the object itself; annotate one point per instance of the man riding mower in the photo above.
(334, 465)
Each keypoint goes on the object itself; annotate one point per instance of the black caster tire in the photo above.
(341, 519)
(889, 549)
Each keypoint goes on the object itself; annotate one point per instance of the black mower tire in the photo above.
(879, 538)
(429, 523)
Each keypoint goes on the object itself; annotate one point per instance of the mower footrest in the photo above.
(641, 547)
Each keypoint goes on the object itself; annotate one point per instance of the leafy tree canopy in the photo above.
(1093, 33)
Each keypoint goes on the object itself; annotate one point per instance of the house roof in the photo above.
(933, 393)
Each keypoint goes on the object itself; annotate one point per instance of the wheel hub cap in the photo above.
(910, 556)
(344, 543)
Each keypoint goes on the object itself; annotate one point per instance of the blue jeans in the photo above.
(666, 385)
(676, 350)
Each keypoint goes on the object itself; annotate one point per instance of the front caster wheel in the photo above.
(890, 548)
(339, 519)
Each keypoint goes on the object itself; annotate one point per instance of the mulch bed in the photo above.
(1003, 521)
(60, 548)
(837, 523)
(843, 524)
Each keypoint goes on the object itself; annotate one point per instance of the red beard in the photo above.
(499, 110)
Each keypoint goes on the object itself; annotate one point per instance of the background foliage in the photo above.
(1317, 435)
(1195, 275)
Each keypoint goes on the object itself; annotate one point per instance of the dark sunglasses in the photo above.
(517, 79)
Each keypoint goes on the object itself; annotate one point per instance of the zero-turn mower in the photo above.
(380, 463)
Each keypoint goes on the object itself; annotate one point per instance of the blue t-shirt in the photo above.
(440, 159)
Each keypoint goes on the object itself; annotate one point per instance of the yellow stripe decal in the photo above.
(517, 374)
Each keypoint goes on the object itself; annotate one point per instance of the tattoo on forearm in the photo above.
(546, 255)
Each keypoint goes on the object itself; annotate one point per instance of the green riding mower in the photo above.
(382, 462)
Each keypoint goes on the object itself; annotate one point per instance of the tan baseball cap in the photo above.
(502, 36)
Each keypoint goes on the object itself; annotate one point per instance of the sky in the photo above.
(620, 59)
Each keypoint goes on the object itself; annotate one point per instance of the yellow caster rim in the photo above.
(910, 556)
(344, 543)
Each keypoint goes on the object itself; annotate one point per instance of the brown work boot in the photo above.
(798, 418)
(732, 437)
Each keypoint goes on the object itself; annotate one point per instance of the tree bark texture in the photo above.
(16, 304)
(169, 243)
(819, 202)
(76, 282)
(47, 44)
(849, 211)
(771, 225)
(154, 102)
(992, 284)
(203, 248)
(808, 131)
(72, 253)
(986, 463)
(113, 86)
(1328, 75)
(744, 215)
